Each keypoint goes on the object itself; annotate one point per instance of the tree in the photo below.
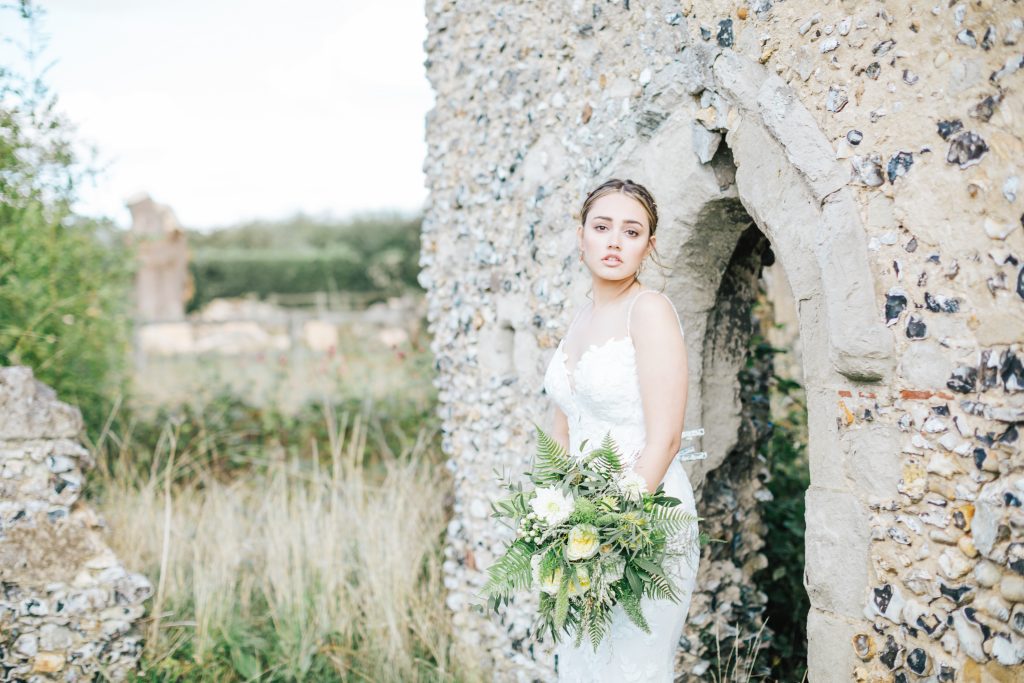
(64, 279)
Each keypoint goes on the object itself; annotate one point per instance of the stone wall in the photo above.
(67, 605)
(877, 146)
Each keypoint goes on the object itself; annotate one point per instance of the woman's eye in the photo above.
(598, 227)
(634, 232)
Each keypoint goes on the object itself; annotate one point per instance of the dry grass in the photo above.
(738, 663)
(313, 569)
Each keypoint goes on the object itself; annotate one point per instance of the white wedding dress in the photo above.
(600, 394)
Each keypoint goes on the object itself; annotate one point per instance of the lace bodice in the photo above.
(602, 392)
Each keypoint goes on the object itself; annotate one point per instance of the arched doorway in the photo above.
(766, 180)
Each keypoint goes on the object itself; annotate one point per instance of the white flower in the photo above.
(632, 485)
(583, 542)
(549, 584)
(552, 505)
(580, 584)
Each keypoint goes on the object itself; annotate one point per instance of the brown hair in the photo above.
(631, 189)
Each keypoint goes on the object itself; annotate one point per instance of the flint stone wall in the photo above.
(67, 605)
(878, 147)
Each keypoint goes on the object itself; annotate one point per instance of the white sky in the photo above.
(229, 110)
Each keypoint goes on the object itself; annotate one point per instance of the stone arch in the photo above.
(787, 180)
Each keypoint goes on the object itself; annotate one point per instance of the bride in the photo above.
(621, 367)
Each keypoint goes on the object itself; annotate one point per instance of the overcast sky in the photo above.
(229, 110)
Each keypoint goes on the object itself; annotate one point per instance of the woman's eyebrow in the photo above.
(606, 218)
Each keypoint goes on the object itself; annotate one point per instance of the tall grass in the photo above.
(738, 662)
(319, 566)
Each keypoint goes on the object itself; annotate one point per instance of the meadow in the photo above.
(281, 547)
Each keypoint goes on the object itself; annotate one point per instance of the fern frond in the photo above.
(551, 461)
(562, 602)
(660, 586)
(600, 622)
(662, 589)
(672, 520)
(606, 458)
(511, 572)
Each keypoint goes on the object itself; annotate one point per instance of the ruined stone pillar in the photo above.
(67, 605)
(162, 283)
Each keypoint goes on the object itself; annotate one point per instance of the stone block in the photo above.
(30, 410)
(871, 460)
(830, 653)
(836, 547)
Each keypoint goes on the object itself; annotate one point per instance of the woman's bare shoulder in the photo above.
(653, 315)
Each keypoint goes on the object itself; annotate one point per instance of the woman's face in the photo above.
(615, 238)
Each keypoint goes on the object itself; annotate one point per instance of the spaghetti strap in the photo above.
(573, 323)
(629, 312)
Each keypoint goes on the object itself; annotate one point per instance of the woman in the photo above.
(622, 368)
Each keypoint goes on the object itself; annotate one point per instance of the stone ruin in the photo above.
(163, 284)
(873, 151)
(67, 605)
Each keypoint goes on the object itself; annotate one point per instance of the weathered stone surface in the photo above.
(825, 633)
(68, 605)
(30, 410)
(836, 544)
(871, 462)
(913, 231)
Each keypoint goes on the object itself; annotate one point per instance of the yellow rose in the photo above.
(583, 542)
(580, 584)
(549, 583)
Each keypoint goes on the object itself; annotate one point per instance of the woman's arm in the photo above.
(560, 428)
(662, 370)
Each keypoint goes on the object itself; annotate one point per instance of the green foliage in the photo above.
(782, 578)
(64, 280)
(248, 447)
(64, 313)
(551, 461)
(605, 459)
(373, 253)
(562, 602)
(629, 537)
(585, 512)
(784, 541)
(631, 606)
(228, 437)
(659, 585)
(511, 572)
(672, 519)
(599, 626)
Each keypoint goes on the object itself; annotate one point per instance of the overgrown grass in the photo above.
(738, 663)
(321, 563)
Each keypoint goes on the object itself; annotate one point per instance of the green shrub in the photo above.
(231, 273)
(64, 307)
(371, 254)
(64, 280)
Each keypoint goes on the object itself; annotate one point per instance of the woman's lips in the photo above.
(611, 261)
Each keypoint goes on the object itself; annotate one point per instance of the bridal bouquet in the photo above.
(589, 536)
